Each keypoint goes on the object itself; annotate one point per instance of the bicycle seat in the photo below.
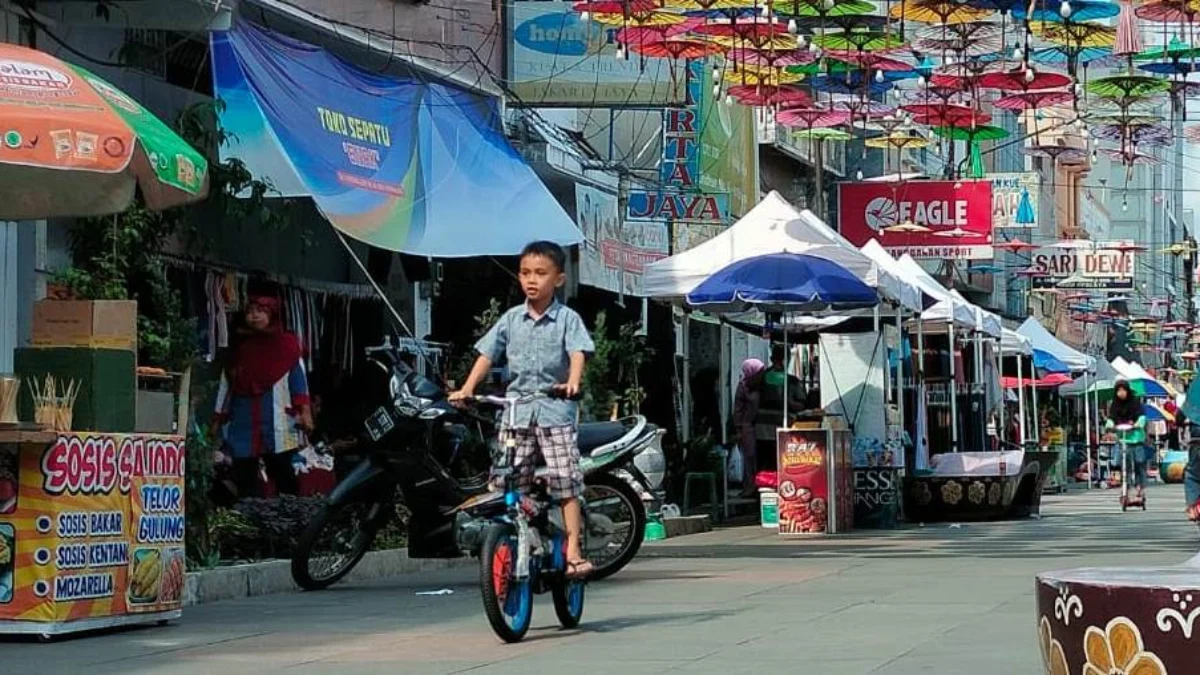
(592, 435)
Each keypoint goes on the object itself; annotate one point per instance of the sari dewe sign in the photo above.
(1101, 266)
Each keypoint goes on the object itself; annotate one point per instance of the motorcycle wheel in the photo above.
(614, 499)
(568, 602)
(507, 602)
(333, 543)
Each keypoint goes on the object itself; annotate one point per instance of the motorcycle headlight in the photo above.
(652, 462)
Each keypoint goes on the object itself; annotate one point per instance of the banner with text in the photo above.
(94, 529)
(1088, 267)
(926, 219)
(1014, 199)
(400, 163)
(558, 59)
(615, 253)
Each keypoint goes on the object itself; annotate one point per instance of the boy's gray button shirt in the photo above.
(538, 355)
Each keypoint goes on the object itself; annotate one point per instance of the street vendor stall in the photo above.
(91, 522)
(91, 530)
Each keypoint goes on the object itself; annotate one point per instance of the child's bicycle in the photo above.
(524, 548)
(1128, 500)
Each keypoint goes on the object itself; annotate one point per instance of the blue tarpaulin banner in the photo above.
(403, 164)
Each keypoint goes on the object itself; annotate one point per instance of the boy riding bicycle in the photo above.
(545, 345)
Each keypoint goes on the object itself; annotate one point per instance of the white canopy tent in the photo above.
(1042, 339)
(772, 226)
(1012, 342)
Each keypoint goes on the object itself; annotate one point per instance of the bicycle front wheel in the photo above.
(508, 602)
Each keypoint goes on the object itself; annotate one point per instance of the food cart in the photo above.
(91, 530)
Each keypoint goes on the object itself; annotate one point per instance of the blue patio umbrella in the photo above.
(791, 282)
(1025, 213)
(1062, 56)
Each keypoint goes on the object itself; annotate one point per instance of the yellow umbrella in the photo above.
(898, 140)
(704, 5)
(941, 12)
(754, 75)
(1075, 34)
(780, 43)
(642, 20)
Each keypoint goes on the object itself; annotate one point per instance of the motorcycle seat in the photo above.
(592, 435)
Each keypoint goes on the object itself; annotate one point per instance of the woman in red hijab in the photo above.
(262, 406)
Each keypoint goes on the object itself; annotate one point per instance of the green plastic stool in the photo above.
(706, 477)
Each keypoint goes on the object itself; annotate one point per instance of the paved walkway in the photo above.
(936, 599)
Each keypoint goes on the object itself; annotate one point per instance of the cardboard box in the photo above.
(106, 324)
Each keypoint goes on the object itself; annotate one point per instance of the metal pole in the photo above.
(1021, 397)
(922, 399)
(900, 368)
(1037, 419)
(978, 387)
(1087, 428)
(953, 389)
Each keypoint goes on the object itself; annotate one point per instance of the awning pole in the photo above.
(899, 368)
(1021, 397)
(1087, 428)
(1037, 418)
(953, 389)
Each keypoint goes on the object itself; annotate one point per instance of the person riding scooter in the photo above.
(1126, 409)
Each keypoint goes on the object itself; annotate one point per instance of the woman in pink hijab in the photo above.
(745, 410)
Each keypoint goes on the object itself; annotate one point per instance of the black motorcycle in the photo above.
(410, 435)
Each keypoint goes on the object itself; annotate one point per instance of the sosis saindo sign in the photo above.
(957, 215)
(94, 529)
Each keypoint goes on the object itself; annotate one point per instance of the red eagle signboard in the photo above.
(957, 215)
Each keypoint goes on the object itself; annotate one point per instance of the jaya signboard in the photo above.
(682, 200)
(94, 529)
(1097, 267)
(558, 59)
(952, 219)
(615, 253)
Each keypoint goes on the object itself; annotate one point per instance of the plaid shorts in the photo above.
(558, 447)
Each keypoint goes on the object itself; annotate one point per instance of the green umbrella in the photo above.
(822, 9)
(1176, 50)
(824, 134)
(973, 135)
(1128, 87)
(858, 40)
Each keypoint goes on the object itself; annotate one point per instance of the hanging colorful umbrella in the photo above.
(78, 146)
(870, 61)
(810, 118)
(1071, 56)
(937, 12)
(907, 227)
(1074, 34)
(771, 58)
(863, 108)
(1129, 35)
(751, 75)
(636, 34)
(1058, 153)
(858, 40)
(973, 135)
(764, 95)
(850, 84)
(1020, 81)
(946, 114)
(967, 39)
(898, 141)
(823, 8)
(1169, 11)
(1139, 134)
(1081, 10)
(1130, 158)
(823, 134)
(757, 31)
(1032, 100)
(612, 7)
(1170, 68)
(677, 48)
(705, 5)
(1175, 50)
(640, 19)
(1125, 90)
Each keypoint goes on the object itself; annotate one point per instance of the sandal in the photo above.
(579, 569)
(1193, 512)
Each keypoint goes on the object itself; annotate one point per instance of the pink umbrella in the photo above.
(642, 34)
(767, 95)
(811, 118)
(1032, 100)
(772, 58)
(1129, 36)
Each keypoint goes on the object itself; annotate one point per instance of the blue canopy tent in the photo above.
(1048, 362)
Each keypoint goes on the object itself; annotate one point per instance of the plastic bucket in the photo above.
(768, 508)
